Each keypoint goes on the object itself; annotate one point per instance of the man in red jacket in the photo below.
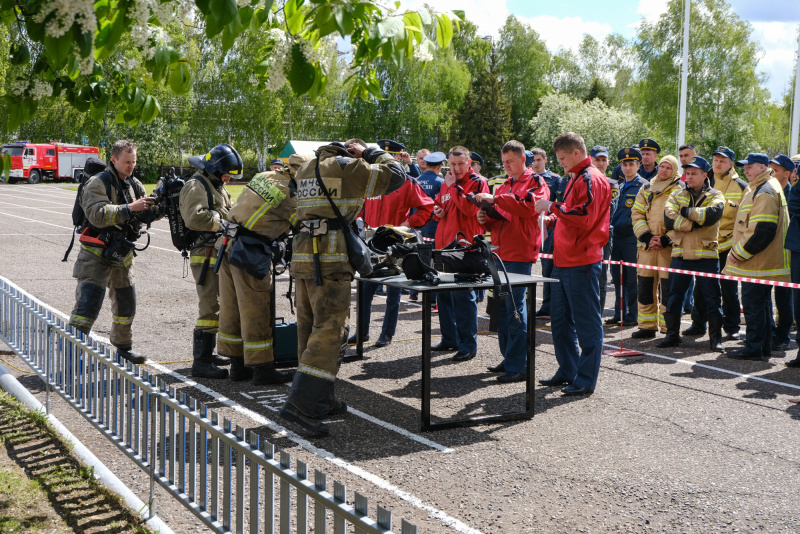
(409, 206)
(518, 237)
(580, 234)
(458, 310)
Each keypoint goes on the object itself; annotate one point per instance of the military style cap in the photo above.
(784, 161)
(725, 152)
(629, 154)
(698, 162)
(754, 157)
(599, 151)
(528, 158)
(649, 144)
(392, 147)
(476, 158)
(276, 161)
(435, 158)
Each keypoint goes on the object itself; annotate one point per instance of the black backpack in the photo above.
(168, 194)
(91, 167)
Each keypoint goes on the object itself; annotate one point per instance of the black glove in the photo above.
(665, 242)
(685, 212)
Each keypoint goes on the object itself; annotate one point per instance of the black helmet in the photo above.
(222, 159)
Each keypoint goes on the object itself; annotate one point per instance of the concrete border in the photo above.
(10, 384)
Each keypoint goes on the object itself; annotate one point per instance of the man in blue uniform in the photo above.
(624, 240)
(649, 167)
(477, 163)
(398, 151)
(792, 244)
(557, 186)
(275, 165)
(599, 156)
(783, 170)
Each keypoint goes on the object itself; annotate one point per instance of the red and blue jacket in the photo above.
(460, 215)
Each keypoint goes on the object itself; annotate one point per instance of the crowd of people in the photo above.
(686, 213)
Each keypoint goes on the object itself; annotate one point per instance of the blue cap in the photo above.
(435, 158)
(649, 144)
(599, 151)
(476, 158)
(784, 161)
(754, 157)
(392, 147)
(725, 152)
(629, 154)
(528, 158)
(276, 161)
(698, 162)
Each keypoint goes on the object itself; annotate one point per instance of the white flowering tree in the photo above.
(66, 47)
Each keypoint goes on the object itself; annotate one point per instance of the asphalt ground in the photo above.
(674, 440)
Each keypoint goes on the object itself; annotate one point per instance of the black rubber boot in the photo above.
(131, 355)
(715, 333)
(266, 374)
(217, 359)
(695, 330)
(239, 371)
(309, 401)
(203, 365)
(673, 339)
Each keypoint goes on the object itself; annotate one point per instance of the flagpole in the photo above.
(684, 76)
(793, 147)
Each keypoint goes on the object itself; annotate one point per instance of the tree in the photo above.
(524, 65)
(598, 123)
(67, 47)
(484, 123)
(725, 93)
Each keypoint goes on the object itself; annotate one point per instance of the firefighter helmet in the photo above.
(222, 159)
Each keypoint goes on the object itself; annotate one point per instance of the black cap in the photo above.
(649, 144)
(392, 147)
(629, 154)
(725, 152)
(784, 161)
(476, 158)
(698, 162)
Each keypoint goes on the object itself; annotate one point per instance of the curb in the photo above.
(102, 473)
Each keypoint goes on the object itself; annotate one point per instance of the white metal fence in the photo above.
(226, 475)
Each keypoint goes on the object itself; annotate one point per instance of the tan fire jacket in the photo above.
(732, 189)
(647, 213)
(196, 212)
(693, 223)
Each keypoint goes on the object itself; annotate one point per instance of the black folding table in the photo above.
(426, 289)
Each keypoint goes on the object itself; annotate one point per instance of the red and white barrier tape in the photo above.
(695, 273)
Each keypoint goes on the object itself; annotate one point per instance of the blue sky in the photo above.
(563, 23)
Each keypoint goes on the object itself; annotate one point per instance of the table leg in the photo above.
(531, 357)
(359, 322)
(426, 360)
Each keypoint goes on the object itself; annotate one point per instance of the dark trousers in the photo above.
(458, 320)
(783, 303)
(547, 272)
(731, 309)
(604, 276)
(707, 289)
(757, 313)
(576, 322)
(512, 333)
(393, 294)
(796, 292)
(688, 301)
(624, 249)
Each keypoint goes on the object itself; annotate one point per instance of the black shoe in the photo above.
(793, 363)
(464, 356)
(733, 335)
(644, 334)
(512, 376)
(499, 368)
(743, 355)
(554, 382)
(576, 390)
(131, 355)
(542, 313)
(352, 340)
(614, 321)
(337, 407)
(441, 347)
(781, 346)
(239, 371)
(267, 374)
(669, 341)
(630, 322)
(414, 297)
(290, 413)
(220, 360)
(687, 310)
(383, 340)
(695, 330)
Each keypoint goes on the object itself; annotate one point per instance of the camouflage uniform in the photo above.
(267, 207)
(323, 310)
(201, 217)
(94, 272)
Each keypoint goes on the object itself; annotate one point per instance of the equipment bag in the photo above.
(170, 192)
(252, 254)
(92, 167)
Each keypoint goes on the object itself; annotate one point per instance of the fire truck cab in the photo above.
(35, 162)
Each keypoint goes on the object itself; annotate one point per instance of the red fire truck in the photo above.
(35, 162)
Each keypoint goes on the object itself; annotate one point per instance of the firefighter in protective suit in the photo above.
(265, 211)
(655, 247)
(111, 201)
(204, 205)
(320, 265)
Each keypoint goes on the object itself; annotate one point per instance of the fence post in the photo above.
(153, 456)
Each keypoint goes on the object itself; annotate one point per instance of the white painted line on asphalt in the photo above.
(403, 431)
(441, 516)
(3, 195)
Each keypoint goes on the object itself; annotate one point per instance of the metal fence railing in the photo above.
(226, 475)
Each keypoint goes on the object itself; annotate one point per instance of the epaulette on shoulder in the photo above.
(646, 186)
(766, 187)
(741, 183)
